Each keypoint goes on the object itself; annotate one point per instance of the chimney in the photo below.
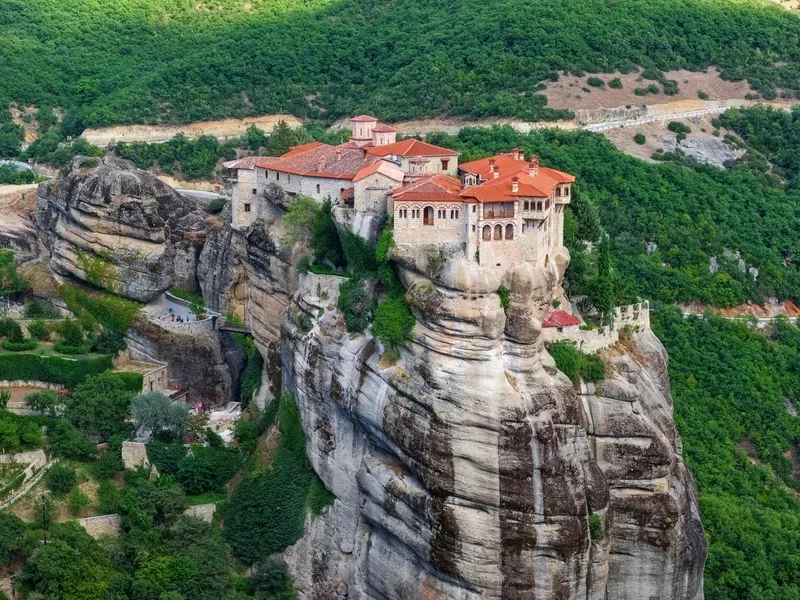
(320, 164)
(533, 167)
(515, 154)
(493, 169)
(338, 153)
(515, 184)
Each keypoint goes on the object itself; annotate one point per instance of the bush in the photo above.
(112, 312)
(393, 322)
(596, 529)
(66, 441)
(271, 579)
(23, 346)
(678, 127)
(52, 369)
(702, 95)
(64, 348)
(356, 303)
(155, 413)
(615, 83)
(39, 330)
(246, 435)
(208, 469)
(9, 327)
(166, 457)
(670, 87)
(505, 297)
(71, 334)
(46, 402)
(41, 309)
(77, 502)
(108, 465)
(639, 138)
(60, 479)
(596, 82)
(575, 364)
(110, 341)
(216, 205)
(108, 498)
(251, 378)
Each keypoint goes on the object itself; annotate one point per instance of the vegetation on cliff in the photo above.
(146, 61)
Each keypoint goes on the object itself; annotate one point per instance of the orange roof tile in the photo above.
(506, 164)
(501, 189)
(411, 148)
(247, 162)
(381, 166)
(383, 128)
(432, 188)
(320, 160)
(363, 119)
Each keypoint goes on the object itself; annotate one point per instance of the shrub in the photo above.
(596, 529)
(52, 369)
(108, 498)
(60, 479)
(5, 398)
(39, 330)
(670, 87)
(639, 138)
(71, 334)
(110, 341)
(112, 312)
(166, 457)
(77, 501)
(505, 297)
(678, 127)
(9, 327)
(575, 364)
(46, 402)
(108, 465)
(271, 579)
(356, 303)
(23, 346)
(251, 378)
(208, 469)
(596, 82)
(216, 205)
(64, 348)
(702, 95)
(246, 434)
(37, 309)
(66, 441)
(615, 83)
(393, 322)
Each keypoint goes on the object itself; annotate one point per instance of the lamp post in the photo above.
(43, 503)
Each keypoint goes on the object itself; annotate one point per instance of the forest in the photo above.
(148, 61)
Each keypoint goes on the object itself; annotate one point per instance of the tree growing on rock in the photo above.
(153, 412)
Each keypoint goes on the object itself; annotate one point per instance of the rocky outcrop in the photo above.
(119, 228)
(470, 467)
(204, 364)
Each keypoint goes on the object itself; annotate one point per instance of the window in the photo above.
(474, 208)
(427, 216)
(487, 233)
(527, 205)
(247, 207)
(498, 232)
(509, 232)
(558, 191)
(318, 188)
(440, 214)
(445, 162)
(473, 228)
(255, 191)
(453, 214)
(277, 176)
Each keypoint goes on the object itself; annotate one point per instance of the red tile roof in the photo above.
(506, 164)
(363, 119)
(433, 188)
(385, 167)
(501, 189)
(383, 128)
(559, 318)
(320, 160)
(411, 148)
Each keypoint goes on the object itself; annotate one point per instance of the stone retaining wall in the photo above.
(590, 341)
(102, 525)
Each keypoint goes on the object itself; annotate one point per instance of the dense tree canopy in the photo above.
(147, 60)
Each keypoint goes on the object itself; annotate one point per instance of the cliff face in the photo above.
(119, 228)
(469, 468)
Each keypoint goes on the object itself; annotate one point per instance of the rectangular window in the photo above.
(445, 162)
(318, 188)
(255, 191)
(473, 228)
(527, 205)
(247, 207)
(474, 208)
(277, 176)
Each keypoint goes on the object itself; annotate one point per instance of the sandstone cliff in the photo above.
(119, 228)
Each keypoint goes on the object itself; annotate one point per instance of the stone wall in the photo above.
(102, 525)
(134, 454)
(634, 316)
(320, 289)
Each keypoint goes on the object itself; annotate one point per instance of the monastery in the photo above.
(497, 211)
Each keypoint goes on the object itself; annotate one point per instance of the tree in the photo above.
(5, 397)
(60, 479)
(325, 237)
(156, 414)
(255, 139)
(46, 402)
(71, 332)
(110, 341)
(299, 220)
(98, 405)
(12, 535)
(603, 298)
(10, 281)
(65, 440)
(283, 138)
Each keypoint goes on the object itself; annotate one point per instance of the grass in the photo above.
(205, 498)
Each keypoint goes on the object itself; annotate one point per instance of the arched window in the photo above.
(498, 232)
(509, 232)
(428, 215)
(487, 232)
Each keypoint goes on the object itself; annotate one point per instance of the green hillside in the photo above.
(185, 60)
